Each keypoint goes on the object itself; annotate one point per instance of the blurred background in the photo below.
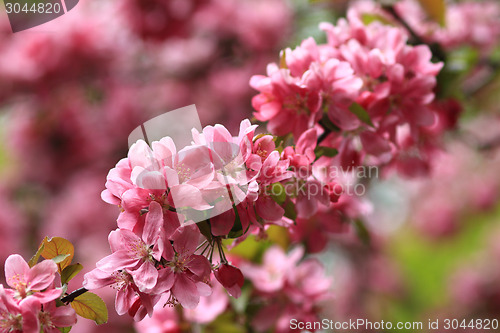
(72, 90)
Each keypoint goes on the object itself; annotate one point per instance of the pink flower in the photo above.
(191, 271)
(286, 102)
(18, 317)
(231, 278)
(28, 281)
(164, 320)
(210, 307)
(288, 289)
(53, 317)
(276, 265)
(127, 292)
(135, 253)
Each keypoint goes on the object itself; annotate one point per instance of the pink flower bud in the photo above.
(231, 278)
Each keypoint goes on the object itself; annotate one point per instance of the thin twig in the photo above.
(71, 297)
(436, 49)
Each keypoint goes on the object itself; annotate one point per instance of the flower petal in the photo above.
(185, 291)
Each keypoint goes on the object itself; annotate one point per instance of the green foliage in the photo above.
(56, 246)
(325, 151)
(278, 193)
(368, 18)
(427, 265)
(361, 113)
(70, 272)
(91, 306)
(435, 9)
(32, 262)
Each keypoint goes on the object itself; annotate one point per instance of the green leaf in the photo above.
(325, 151)
(32, 262)
(70, 272)
(361, 113)
(368, 18)
(205, 229)
(290, 211)
(91, 306)
(283, 60)
(362, 232)
(278, 193)
(60, 258)
(56, 246)
(435, 9)
(64, 329)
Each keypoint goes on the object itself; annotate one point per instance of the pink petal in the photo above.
(221, 224)
(117, 261)
(29, 310)
(185, 291)
(200, 266)
(146, 276)
(307, 140)
(186, 239)
(268, 209)
(124, 300)
(42, 275)
(203, 289)
(165, 281)
(374, 144)
(63, 316)
(185, 195)
(16, 269)
(48, 295)
(154, 221)
(96, 279)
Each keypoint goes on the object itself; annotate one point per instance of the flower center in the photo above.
(11, 323)
(143, 251)
(20, 285)
(122, 280)
(45, 320)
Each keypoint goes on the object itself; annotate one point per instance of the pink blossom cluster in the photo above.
(169, 320)
(364, 87)
(73, 89)
(29, 305)
(161, 192)
(469, 23)
(289, 288)
(463, 181)
(225, 184)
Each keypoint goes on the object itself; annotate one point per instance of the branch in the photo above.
(436, 49)
(71, 297)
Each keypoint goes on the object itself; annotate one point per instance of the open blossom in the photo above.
(27, 281)
(129, 299)
(468, 23)
(18, 316)
(366, 79)
(276, 264)
(191, 271)
(164, 320)
(285, 102)
(135, 253)
(53, 317)
(289, 289)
